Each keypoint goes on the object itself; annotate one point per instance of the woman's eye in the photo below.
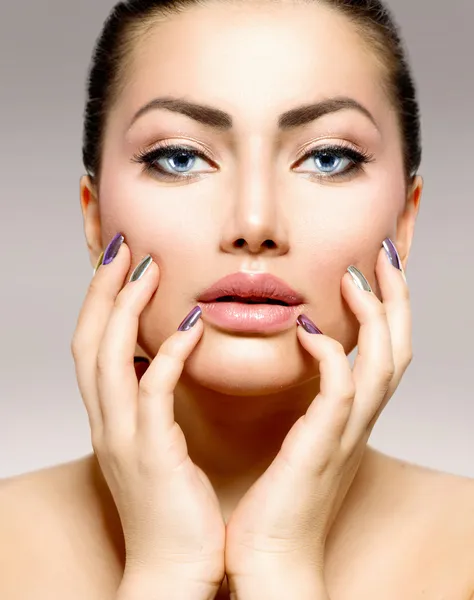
(333, 162)
(174, 162)
(180, 161)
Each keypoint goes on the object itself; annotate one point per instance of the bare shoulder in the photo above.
(439, 508)
(52, 536)
(444, 490)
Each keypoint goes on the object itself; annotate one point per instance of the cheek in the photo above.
(161, 225)
(176, 234)
(335, 236)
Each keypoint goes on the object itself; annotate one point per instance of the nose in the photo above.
(255, 221)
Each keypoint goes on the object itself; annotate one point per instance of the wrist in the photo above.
(153, 586)
(271, 582)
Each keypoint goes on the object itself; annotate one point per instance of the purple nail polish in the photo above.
(112, 249)
(307, 324)
(392, 253)
(191, 319)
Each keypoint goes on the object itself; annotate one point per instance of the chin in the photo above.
(241, 365)
(247, 365)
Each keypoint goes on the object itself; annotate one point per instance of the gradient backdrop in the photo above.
(45, 49)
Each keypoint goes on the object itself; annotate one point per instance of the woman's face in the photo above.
(248, 197)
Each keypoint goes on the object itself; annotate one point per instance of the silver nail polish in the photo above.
(99, 262)
(141, 269)
(360, 281)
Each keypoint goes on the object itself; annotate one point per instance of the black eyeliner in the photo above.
(166, 150)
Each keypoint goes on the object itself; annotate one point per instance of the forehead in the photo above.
(252, 59)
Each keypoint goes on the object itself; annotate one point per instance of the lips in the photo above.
(257, 288)
(251, 303)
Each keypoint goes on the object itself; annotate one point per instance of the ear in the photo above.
(406, 221)
(91, 217)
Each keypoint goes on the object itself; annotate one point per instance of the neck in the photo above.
(233, 439)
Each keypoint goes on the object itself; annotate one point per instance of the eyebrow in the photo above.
(222, 121)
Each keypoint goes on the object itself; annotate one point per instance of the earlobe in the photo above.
(91, 217)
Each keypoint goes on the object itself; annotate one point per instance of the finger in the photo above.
(91, 323)
(155, 415)
(116, 376)
(373, 366)
(396, 299)
(318, 433)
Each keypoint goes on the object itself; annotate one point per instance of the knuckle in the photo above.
(94, 287)
(146, 389)
(335, 348)
(97, 442)
(114, 444)
(170, 347)
(102, 362)
(387, 371)
(82, 344)
(407, 359)
(170, 355)
(78, 345)
(380, 310)
(75, 347)
(122, 302)
(405, 294)
(347, 394)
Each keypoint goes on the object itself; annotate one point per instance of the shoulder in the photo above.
(431, 493)
(48, 541)
(30, 495)
(439, 507)
(425, 483)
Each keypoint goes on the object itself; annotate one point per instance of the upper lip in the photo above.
(252, 285)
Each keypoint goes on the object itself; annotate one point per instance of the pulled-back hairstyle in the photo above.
(129, 20)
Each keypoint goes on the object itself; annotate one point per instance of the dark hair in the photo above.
(127, 21)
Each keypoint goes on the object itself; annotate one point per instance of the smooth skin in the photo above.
(170, 515)
(243, 455)
(172, 523)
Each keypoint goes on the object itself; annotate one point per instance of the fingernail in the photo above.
(191, 319)
(307, 324)
(393, 256)
(112, 249)
(360, 281)
(141, 268)
(99, 262)
(392, 253)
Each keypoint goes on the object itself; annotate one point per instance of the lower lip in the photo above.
(251, 318)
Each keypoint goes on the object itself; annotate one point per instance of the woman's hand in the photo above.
(172, 523)
(278, 531)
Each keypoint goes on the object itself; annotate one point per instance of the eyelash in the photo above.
(148, 159)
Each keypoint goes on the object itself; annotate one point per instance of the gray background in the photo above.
(45, 49)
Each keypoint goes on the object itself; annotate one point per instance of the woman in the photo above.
(252, 182)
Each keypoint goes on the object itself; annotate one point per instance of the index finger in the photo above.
(90, 327)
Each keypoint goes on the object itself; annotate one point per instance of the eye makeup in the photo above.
(150, 159)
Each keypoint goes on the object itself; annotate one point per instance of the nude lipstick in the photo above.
(252, 303)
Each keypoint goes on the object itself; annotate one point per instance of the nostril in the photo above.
(240, 243)
(269, 244)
